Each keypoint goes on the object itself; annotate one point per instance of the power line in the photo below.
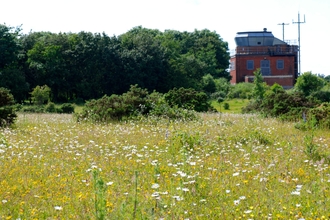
(299, 22)
(283, 28)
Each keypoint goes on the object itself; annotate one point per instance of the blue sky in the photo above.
(115, 17)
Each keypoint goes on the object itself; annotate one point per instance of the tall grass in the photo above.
(222, 166)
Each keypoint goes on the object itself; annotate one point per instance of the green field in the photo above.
(235, 105)
(223, 166)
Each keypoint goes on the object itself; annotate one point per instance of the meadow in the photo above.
(235, 105)
(222, 166)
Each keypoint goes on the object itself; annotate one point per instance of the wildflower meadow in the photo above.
(220, 166)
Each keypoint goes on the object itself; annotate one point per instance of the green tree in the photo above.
(48, 60)
(193, 55)
(208, 83)
(41, 94)
(188, 99)
(260, 86)
(9, 46)
(144, 59)
(7, 111)
(308, 83)
(276, 88)
(11, 74)
(327, 78)
(241, 90)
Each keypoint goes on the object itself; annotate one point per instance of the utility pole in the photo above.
(283, 28)
(299, 22)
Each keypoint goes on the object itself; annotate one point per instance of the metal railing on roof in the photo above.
(267, 50)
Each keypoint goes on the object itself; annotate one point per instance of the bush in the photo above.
(222, 85)
(50, 107)
(287, 106)
(308, 83)
(33, 109)
(160, 108)
(67, 108)
(188, 99)
(41, 94)
(135, 102)
(7, 108)
(241, 90)
(321, 115)
(226, 105)
(218, 96)
(116, 107)
(322, 96)
(208, 84)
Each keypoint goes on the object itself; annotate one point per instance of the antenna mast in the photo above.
(299, 22)
(283, 28)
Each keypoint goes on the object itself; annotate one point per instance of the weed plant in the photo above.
(221, 166)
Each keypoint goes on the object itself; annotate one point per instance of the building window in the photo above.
(232, 65)
(280, 64)
(250, 65)
(265, 67)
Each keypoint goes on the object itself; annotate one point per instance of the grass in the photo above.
(223, 166)
(235, 105)
(78, 108)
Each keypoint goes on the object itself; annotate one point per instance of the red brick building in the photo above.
(276, 59)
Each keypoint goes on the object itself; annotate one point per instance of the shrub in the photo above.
(241, 90)
(41, 94)
(188, 99)
(67, 108)
(163, 109)
(33, 109)
(226, 105)
(135, 100)
(218, 96)
(322, 96)
(134, 103)
(50, 107)
(308, 83)
(116, 107)
(287, 106)
(208, 83)
(321, 115)
(260, 86)
(7, 108)
(222, 85)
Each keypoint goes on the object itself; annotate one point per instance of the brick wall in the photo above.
(240, 71)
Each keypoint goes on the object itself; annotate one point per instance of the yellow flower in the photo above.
(301, 172)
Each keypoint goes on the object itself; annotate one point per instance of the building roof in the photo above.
(257, 38)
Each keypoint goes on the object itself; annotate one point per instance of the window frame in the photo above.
(249, 63)
(278, 64)
(265, 67)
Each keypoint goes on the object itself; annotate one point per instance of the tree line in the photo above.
(84, 65)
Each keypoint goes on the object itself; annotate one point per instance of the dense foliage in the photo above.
(241, 90)
(176, 104)
(84, 66)
(307, 101)
(188, 99)
(7, 109)
(309, 83)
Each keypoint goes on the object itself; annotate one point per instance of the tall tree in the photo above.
(48, 60)
(144, 59)
(260, 86)
(308, 83)
(9, 46)
(11, 75)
